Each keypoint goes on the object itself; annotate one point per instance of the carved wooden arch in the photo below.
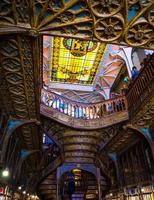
(147, 138)
(12, 125)
(47, 171)
(21, 161)
(68, 167)
(100, 162)
(90, 168)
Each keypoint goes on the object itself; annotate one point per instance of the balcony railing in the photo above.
(141, 87)
(93, 114)
(83, 110)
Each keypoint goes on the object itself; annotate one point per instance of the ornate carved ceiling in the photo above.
(118, 21)
(80, 96)
(17, 82)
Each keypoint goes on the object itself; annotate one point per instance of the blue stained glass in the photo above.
(78, 6)
(132, 12)
(24, 153)
(48, 140)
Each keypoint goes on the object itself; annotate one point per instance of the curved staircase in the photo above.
(48, 187)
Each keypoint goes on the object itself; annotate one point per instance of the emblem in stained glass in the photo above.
(79, 47)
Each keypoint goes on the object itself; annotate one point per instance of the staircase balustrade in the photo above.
(83, 110)
(50, 154)
(141, 87)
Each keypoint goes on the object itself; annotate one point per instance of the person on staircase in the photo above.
(135, 73)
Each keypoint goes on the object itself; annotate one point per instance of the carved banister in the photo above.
(83, 115)
(141, 87)
(83, 110)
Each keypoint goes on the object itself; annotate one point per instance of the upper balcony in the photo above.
(98, 115)
(83, 115)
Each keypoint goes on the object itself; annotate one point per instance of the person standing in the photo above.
(134, 72)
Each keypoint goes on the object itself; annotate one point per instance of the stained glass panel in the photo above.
(74, 60)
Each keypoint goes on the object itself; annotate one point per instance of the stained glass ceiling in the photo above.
(68, 60)
(77, 65)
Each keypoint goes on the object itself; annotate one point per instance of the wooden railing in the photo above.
(49, 155)
(141, 87)
(83, 110)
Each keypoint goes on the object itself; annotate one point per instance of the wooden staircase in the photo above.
(92, 187)
(48, 188)
(104, 185)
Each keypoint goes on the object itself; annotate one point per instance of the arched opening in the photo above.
(78, 184)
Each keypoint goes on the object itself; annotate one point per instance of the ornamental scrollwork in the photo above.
(151, 16)
(139, 34)
(17, 66)
(105, 8)
(6, 12)
(109, 29)
(22, 11)
(82, 19)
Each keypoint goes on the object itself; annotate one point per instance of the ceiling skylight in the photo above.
(71, 60)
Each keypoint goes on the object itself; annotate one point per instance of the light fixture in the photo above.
(24, 192)
(111, 194)
(5, 173)
(142, 190)
(19, 188)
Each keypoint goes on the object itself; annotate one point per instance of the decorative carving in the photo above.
(140, 34)
(103, 20)
(17, 66)
(6, 12)
(107, 134)
(22, 11)
(151, 17)
(109, 29)
(144, 118)
(80, 160)
(80, 139)
(141, 103)
(105, 8)
(80, 123)
(66, 16)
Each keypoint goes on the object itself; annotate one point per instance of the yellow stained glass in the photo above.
(73, 60)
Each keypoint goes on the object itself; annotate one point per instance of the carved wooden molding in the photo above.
(126, 22)
(82, 123)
